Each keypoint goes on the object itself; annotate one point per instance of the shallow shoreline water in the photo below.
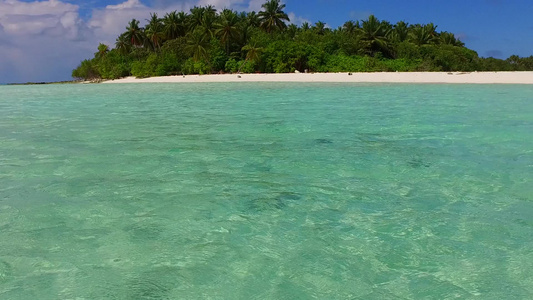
(266, 191)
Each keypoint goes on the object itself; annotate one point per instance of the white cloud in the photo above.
(298, 20)
(16, 7)
(107, 23)
(39, 39)
(255, 5)
(222, 4)
(46, 17)
(129, 4)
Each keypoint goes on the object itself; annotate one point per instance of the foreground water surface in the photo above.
(266, 191)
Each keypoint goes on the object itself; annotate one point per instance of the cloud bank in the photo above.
(45, 40)
(34, 33)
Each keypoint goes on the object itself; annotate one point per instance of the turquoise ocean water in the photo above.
(266, 191)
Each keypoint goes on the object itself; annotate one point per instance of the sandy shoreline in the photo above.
(382, 77)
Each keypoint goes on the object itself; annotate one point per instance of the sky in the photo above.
(45, 40)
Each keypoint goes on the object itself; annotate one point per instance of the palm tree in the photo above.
(134, 33)
(248, 22)
(245, 31)
(122, 44)
(350, 27)
(210, 10)
(226, 28)
(252, 19)
(400, 32)
(421, 35)
(208, 20)
(253, 53)
(202, 16)
(272, 17)
(447, 38)
(196, 16)
(154, 31)
(305, 26)
(197, 45)
(174, 24)
(292, 30)
(320, 27)
(102, 50)
(374, 35)
(432, 29)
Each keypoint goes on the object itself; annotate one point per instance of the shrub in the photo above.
(231, 66)
(195, 67)
(86, 70)
(112, 65)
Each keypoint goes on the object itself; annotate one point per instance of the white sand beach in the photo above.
(383, 77)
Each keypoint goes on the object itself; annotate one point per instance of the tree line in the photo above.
(204, 41)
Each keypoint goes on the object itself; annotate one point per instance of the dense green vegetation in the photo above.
(205, 41)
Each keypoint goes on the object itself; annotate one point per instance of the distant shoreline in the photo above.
(44, 82)
(378, 77)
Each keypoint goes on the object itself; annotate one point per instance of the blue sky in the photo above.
(44, 40)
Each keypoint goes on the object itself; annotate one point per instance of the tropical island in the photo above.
(205, 41)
